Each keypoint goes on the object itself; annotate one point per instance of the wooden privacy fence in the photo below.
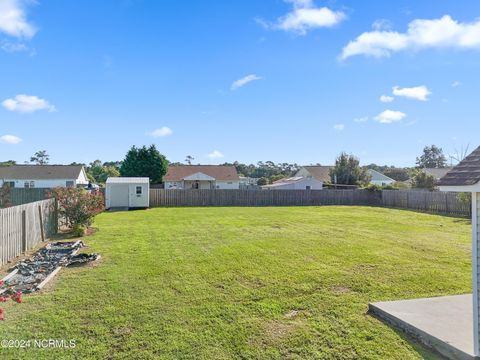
(430, 201)
(172, 198)
(24, 226)
(436, 202)
(20, 196)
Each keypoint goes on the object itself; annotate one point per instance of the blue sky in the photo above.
(247, 80)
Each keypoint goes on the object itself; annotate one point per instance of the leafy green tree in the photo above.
(432, 157)
(262, 181)
(397, 174)
(8, 163)
(266, 169)
(422, 180)
(189, 159)
(274, 178)
(40, 158)
(347, 171)
(100, 173)
(145, 162)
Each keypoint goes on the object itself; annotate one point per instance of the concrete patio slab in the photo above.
(444, 324)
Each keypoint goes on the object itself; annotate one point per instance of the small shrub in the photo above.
(464, 197)
(374, 187)
(79, 230)
(422, 180)
(77, 207)
(5, 195)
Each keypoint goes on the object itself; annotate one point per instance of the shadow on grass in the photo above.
(425, 352)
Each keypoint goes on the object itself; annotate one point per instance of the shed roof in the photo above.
(467, 172)
(128, 180)
(321, 173)
(218, 172)
(40, 172)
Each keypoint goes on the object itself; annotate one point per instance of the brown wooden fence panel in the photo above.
(20, 196)
(24, 226)
(436, 202)
(430, 201)
(173, 198)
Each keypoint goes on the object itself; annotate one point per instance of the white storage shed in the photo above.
(127, 192)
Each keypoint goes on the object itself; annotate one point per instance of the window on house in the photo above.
(11, 184)
(70, 183)
(29, 184)
(308, 187)
(138, 190)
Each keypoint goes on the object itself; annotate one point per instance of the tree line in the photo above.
(149, 162)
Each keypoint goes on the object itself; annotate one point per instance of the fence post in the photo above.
(40, 218)
(55, 217)
(24, 231)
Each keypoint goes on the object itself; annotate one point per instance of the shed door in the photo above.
(119, 196)
(138, 195)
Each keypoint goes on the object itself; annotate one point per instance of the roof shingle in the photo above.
(40, 172)
(467, 172)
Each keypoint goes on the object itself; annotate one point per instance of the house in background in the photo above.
(202, 177)
(248, 183)
(295, 183)
(377, 178)
(43, 176)
(437, 173)
(320, 173)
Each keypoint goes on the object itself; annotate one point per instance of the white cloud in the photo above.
(339, 127)
(13, 19)
(361, 119)
(382, 24)
(390, 116)
(27, 104)
(12, 47)
(244, 81)
(421, 34)
(10, 139)
(386, 99)
(418, 92)
(305, 16)
(456, 83)
(216, 155)
(161, 132)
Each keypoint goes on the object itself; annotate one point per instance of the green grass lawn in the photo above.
(222, 283)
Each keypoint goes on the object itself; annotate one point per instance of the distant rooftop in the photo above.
(321, 173)
(378, 176)
(437, 173)
(218, 172)
(40, 172)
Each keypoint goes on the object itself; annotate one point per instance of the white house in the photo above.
(377, 178)
(247, 183)
(202, 177)
(320, 173)
(295, 183)
(437, 173)
(43, 176)
(127, 192)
